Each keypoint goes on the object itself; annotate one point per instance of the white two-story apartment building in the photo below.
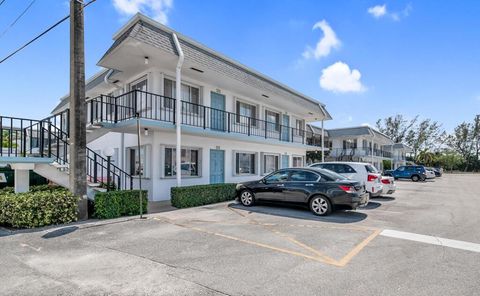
(363, 144)
(236, 124)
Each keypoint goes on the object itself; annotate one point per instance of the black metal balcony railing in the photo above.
(359, 152)
(161, 108)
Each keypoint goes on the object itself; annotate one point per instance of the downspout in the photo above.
(178, 109)
(106, 79)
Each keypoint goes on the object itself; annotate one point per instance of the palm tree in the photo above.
(426, 157)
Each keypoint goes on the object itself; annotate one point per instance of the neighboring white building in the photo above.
(237, 124)
(362, 144)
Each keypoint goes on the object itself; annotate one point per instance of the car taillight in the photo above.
(372, 178)
(347, 189)
(385, 181)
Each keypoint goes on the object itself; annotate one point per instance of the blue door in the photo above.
(285, 161)
(217, 113)
(217, 166)
(285, 127)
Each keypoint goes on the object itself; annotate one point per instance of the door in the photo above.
(299, 186)
(217, 113)
(285, 161)
(140, 97)
(217, 166)
(272, 186)
(285, 127)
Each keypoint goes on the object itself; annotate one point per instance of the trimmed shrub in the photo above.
(113, 204)
(37, 208)
(199, 195)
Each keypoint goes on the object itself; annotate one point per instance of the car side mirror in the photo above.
(263, 181)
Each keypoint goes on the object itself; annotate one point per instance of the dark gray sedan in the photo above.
(322, 190)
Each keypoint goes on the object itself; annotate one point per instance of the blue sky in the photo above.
(375, 58)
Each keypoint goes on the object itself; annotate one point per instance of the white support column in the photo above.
(323, 143)
(22, 176)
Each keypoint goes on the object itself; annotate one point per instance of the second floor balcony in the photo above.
(161, 108)
(360, 152)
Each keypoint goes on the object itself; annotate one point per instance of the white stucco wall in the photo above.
(159, 185)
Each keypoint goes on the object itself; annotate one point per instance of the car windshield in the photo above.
(330, 175)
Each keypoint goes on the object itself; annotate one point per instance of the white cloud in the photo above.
(325, 44)
(379, 11)
(157, 9)
(341, 79)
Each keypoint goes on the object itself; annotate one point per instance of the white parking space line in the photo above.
(433, 240)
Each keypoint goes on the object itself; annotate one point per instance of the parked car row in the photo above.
(414, 172)
(329, 185)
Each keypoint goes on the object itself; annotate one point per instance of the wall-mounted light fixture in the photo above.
(146, 131)
(146, 60)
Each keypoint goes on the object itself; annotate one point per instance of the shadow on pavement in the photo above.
(300, 212)
(371, 205)
(383, 198)
(59, 232)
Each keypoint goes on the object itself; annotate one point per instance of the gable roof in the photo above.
(356, 131)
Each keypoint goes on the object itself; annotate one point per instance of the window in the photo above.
(136, 166)
(371, 169)
(303, 176)
(349, 143)
(189, 162)
(299, 127)
(270, 163)
(189, 94)
(297, 161)
(244, 111)
(245, 163)
(280, 176)
(273, 120)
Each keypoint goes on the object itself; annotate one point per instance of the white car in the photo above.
(388, 183)
(430, 173)
(365, 173)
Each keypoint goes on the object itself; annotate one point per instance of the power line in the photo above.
(1, 2)
(41, 34)
(16, 20)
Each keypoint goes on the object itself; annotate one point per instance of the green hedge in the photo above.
(198, 195)
(113, 204)
(37, 208)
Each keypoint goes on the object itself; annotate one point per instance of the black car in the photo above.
(322, 190)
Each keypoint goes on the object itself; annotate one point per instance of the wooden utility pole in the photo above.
(78, 139)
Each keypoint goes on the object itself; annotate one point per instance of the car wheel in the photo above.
(246, 198)
(320, 206)
(415, 178)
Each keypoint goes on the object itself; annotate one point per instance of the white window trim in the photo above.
(262, 166)
(257, 159)
(162, 162)
(301, 156)
(247, 102)
(147, 168)
(185, 82)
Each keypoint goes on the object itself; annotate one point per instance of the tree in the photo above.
(425, 135)
(6, 139)
(396, 127)
(426, 157)
(461, 141)
(450, 160)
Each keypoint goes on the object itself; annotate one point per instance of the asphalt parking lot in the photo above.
(422, 240)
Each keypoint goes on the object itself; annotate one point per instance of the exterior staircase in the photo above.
(44, 146)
